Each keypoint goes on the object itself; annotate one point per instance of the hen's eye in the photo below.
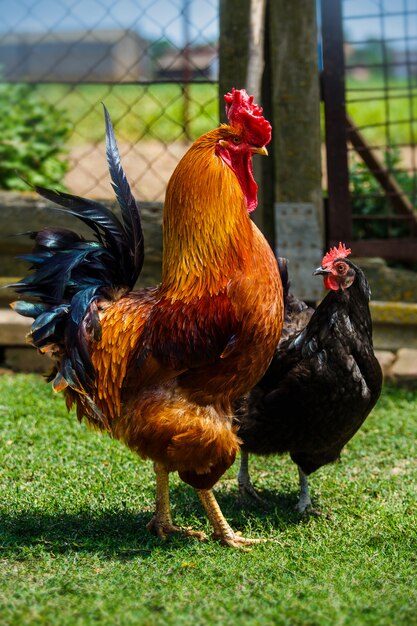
(340, 268)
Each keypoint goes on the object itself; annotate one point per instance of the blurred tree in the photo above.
(33, 136)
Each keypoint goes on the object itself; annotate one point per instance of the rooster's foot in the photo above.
(235, 540)
(163, 528)
(222, 530)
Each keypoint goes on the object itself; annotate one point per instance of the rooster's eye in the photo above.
(236, 140)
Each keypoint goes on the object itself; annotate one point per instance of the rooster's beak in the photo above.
(321, 270)
(256, 150)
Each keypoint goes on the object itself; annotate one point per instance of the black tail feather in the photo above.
(127, 203)
(69, 274)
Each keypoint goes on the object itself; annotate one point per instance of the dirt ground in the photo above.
(148, 167)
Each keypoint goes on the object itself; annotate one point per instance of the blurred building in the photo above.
(193, 63)
(101, 55)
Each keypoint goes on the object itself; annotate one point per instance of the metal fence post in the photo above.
(339, 212)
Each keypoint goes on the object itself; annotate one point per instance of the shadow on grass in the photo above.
(114, 534)
(278, 508)
(122, 533)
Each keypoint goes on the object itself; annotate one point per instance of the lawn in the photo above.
(75, 551)
(154, 111)
(370, 104)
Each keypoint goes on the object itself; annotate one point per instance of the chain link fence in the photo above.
(153, 63)
(380, 50)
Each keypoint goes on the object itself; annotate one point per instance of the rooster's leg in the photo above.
(161, 523)
(222, 529)
(304, 501)
(245, 486)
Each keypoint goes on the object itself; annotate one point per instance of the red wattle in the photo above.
(330, 282)
(241, 164)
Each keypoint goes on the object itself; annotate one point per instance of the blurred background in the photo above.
(155, 64)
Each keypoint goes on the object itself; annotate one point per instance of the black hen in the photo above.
(322, 382)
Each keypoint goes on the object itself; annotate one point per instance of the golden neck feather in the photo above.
(207, 229)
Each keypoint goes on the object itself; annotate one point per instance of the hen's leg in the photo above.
(222, 529)
(161, 523)
(304, 501)
(245, 486)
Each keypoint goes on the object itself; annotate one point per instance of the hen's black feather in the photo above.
(69, 274)
(322, 382)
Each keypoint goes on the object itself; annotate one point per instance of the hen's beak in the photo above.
(256, 150)
(320, 271)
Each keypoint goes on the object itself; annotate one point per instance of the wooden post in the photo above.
(256, 48)
(233, 47)
(296, 143)
(271, 48)
(242, 27)
(187, 70)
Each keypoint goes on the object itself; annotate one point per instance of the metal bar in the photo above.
(392, 88)
(403, 96)
(361, 42)
(339, 214)
(381, 147)
(379, 218)
(383, 124)
(145, 83)
(396, 195)
(374, 15)
(391, 249)
(375, 66)
(411, 113)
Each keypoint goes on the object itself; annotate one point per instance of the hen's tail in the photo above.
(283, 271)
(296, 312)
(69, 274)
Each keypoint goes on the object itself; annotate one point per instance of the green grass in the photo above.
(372, 110)
(137, 111)
(75, 551)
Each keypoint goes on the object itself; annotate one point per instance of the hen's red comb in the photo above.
(241, 111)
(335, 253)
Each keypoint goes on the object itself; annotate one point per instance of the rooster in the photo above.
(323, 381)
(158, 368)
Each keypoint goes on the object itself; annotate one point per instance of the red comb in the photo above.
(335, 253)
(241, 111)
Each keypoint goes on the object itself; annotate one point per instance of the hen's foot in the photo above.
(245, 486)
(304, 505)
(307, 509)
(246, 489)
(163, 528)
